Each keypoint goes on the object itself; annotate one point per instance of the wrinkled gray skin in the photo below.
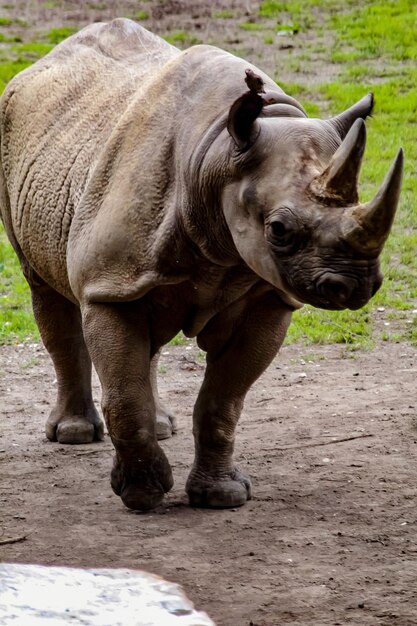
(141, 203)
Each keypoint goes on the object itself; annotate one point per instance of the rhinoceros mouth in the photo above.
(345, 295)
(318, 303)
(333, 306)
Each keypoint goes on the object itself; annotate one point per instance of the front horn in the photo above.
(370, 223)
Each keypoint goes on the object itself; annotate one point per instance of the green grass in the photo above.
(16, 318)
(369, 46)
(297, 15)
(390, 29)
(31, 52)
(251, 26)
(8, 38)
(312, 326)
(140, 16)
(56, 35)
(9, 69)
(179, 340)
(181, 38)
(225, 14)
(369, 43)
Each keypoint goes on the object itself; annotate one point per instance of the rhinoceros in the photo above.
(148, 191)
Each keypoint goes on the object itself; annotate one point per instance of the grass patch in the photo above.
(225, 14)
(10, 69)
(312, 326)
(410, 333)
(30, 52)
(181, 38)
(373, 47)
(16, 318)
(141, 16)
(9, 38)
(370, 41)
(291, 29)
(251, 26)
(179, 340)
(56, 35)
(293, 16)
(379, 29)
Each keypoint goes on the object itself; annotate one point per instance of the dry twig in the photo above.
(12, 540)
(320, 443)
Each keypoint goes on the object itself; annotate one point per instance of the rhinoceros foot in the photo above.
(166, 423)
(75, 429)
(227, 491)
(142, 489)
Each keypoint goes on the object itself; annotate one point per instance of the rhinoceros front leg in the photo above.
(118, 340)
(74, 418)
(166, 423)
(240, 344)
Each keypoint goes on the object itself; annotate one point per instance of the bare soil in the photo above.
(328, 437)
(330, 442)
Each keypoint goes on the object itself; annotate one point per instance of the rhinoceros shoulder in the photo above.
(121, 46)
(121, 39)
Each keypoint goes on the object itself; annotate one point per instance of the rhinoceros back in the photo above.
(56, 117)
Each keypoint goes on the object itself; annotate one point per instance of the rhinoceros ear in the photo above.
(342, 123)
(241, 122)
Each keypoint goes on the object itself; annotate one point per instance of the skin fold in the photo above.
(147, 191)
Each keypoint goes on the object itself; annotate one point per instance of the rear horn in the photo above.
(338, 182)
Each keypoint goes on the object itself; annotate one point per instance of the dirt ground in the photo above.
(328, 436)
(329, 439)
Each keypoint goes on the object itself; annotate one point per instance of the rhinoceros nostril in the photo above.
(334, 289)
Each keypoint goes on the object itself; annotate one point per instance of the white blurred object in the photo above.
(35, 595)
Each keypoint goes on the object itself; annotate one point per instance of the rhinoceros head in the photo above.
(292, 205)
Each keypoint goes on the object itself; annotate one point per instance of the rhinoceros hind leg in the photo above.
(165, 425)
(166, 422)
(74, 419)
(74, 429)
(230, 490)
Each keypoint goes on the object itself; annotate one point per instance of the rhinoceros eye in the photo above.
(279, 230)
(282, 235)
